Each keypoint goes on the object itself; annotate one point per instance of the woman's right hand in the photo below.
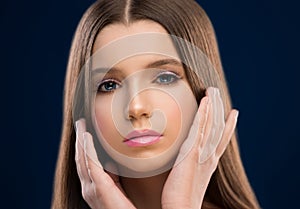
(99, 189)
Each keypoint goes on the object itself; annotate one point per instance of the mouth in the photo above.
(142, 138)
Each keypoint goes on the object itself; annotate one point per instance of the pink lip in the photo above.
(142, 138)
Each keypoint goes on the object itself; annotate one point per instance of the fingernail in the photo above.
(217, 91)
(76, 125)
(209, 90)
(237, 114)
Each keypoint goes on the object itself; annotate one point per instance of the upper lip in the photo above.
(141, 133)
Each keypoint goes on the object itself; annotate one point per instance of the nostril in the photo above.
(130, 117)
(138, 116)
(146, 115)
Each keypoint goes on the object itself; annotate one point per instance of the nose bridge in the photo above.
(134, 86)
(139, 103)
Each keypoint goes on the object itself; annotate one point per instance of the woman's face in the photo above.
(142, 103)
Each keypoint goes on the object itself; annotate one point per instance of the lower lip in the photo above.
(142, 141)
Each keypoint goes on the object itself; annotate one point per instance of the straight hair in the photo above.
(229, 186)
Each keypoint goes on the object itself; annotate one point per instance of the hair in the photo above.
(229, 186)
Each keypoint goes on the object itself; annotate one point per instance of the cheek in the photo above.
(172, 112)
(103, 116)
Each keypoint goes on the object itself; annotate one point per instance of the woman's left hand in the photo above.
(188, 180)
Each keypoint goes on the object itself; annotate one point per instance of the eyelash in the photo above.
(170, 75)
(108, 81)
(174, 76)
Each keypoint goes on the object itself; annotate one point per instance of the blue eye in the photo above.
(108, 86)
(166, 78)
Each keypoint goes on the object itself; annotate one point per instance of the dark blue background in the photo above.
(259, 44)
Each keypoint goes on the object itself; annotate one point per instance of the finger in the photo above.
(228, 132)
(81, 165)
(80, 158)
(203, 116)
(195, 135)
(210, 114)
(91, 158)
(215, 127)
(207, 148)
(219, 122)
(198, 126)
(103, 184)
(80, 129)
(80, 126)
(94, 167)
(221, 109)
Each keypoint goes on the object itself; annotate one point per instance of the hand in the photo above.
(99, 189)
(188, 180)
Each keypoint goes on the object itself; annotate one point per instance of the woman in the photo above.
(213, 182)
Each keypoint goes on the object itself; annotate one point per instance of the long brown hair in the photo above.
(229, 186)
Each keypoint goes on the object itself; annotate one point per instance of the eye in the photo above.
(108, 86)
(166, 78)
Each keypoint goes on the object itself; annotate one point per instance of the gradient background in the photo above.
(259, 44)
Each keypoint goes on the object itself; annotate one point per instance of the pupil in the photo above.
(110, 85)
(165, 78)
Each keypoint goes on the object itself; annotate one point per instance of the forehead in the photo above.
(118, 42)
(117, 31)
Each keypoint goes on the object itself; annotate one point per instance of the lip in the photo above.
(142, 138)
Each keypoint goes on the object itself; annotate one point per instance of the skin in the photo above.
(140, 108)
(182, 187)
(145, 91)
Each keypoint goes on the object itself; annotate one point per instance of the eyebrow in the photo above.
(154, 64)
(162, 62)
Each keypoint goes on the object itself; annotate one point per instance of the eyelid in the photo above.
(107, 80)
(162, 72)
(168, 72)
(98, 84)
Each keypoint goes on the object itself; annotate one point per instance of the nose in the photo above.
(139, 107)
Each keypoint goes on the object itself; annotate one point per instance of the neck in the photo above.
(145, 193)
